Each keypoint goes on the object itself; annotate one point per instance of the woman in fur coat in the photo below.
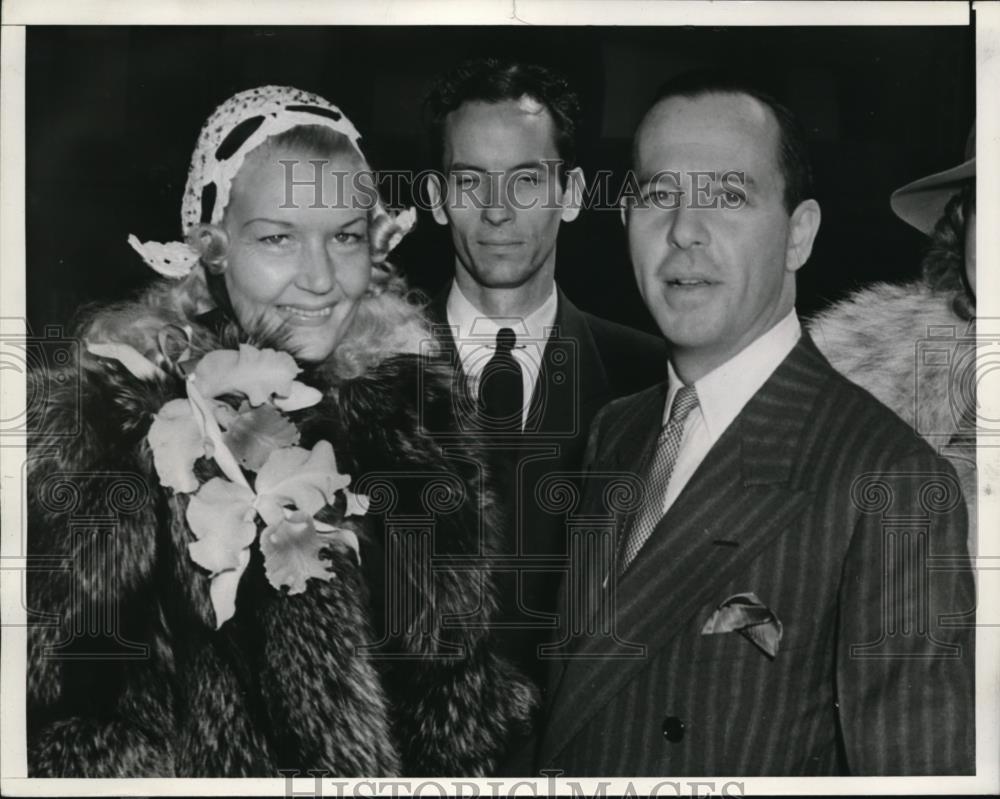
(262, 563)
(913, 345)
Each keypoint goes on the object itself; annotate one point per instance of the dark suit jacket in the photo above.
(848, 527)
(586, 362)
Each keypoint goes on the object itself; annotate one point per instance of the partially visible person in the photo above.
(236, 610)
(912, 344)
(536, 368)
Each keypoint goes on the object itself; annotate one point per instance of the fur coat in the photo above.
(127, 675)
(904, 344)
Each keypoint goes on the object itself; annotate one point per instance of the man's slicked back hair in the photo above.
(494, 80)
(793, 153)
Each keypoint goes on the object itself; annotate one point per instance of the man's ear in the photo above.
(802, 230)
(435, 192)
(573, 194)
(623, 210)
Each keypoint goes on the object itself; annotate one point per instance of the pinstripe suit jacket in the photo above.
(827, 506)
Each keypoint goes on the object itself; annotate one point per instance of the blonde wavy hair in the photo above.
(389, 319)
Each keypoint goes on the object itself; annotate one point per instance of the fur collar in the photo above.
(874, 338)
(386, 324)
(280, 685)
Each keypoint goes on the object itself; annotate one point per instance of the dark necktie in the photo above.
(501, 391)
(668, 446)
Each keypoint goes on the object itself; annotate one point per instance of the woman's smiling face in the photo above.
(300, 266)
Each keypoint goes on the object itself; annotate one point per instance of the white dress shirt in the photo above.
(475, 336)
(722, 393)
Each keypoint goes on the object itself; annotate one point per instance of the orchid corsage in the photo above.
(235, 414)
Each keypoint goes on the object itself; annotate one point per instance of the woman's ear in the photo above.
(802, 230)
(211, 243)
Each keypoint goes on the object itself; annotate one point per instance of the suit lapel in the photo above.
(572, 383)
(630, 447)
(745, 492)
(437, 313)
(627, 449)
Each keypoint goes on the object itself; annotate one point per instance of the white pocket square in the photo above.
(751, 618)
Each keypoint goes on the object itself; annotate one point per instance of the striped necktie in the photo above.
(668, 445)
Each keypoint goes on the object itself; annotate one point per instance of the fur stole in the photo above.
(386, 669)
(878, 337)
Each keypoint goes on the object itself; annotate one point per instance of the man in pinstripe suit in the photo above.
(792, 595)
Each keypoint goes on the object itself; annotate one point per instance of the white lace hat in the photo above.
(234, 129)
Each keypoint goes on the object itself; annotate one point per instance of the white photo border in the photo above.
(19, 13)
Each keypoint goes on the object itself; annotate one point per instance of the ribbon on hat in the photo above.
(173, 259)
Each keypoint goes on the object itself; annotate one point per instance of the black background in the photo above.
(113, 115)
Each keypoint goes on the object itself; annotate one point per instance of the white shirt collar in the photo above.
(724, 391)
(476, 325)
(475, 336)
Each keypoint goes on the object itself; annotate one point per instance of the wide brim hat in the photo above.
(922, 202)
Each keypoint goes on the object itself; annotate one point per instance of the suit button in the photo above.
(673, 729)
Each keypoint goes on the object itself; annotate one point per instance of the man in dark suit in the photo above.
(536, 368)
(791, 593)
